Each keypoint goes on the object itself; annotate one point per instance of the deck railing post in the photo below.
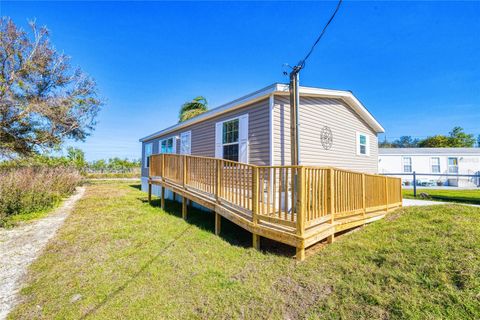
(301, 201)
(386, 193)
(364, 191)
(331, 200)
(400, 191)
(184, 182)
(331, 194)
(163, 166)
(300, 208)
(256, 237)
(218, 179)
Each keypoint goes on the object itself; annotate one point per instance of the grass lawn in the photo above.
(465, 196)
(117, 257)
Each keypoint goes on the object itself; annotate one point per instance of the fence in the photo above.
(473, 178)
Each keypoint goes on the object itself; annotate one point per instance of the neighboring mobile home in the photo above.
(335, 129)
(432, 161)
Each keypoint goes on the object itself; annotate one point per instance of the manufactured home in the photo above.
(335, 129)
(441, 165)
(234, 161)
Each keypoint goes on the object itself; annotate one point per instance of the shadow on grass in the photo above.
(468, 200)
(230, 232)
(136, 186)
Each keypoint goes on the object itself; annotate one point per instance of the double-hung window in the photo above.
(435, 164)
(452, 165)
(363, 144)
(167, 145)
(407, 164)
(148, 153)
(230, 140)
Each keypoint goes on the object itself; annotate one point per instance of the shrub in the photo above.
(29, 189)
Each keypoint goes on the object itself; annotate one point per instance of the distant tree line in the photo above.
(456, 138)
(75, 158)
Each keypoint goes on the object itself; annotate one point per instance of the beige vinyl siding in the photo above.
(203, 134)
(314, 114)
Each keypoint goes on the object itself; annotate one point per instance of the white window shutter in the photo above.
(243, 139)
(174, 144)
(218, 140)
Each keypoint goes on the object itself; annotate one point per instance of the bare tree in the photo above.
(43, 101)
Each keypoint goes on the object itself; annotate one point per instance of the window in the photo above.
(167, 145)
(407, 164)
(148, 153)
(452, 165)
(230, 139)
(363, 144)
(435, 165)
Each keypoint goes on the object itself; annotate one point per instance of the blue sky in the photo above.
(414, 65)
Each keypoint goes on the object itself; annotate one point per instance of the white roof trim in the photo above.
(276, 88)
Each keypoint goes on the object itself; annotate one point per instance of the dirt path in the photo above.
(20, 246)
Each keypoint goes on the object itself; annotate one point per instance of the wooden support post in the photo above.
(414, 184)
(162, 197)
(331, 238)
(218, 223)
(256, 237)
(149, 191)
(256, 241)
(300, 253)
(184, 208)
(174, 195)
(364, 191)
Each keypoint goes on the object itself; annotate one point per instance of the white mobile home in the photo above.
(433, 161)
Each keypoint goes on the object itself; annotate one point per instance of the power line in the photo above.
(301, 64)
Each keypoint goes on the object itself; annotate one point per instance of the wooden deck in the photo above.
(295, 205)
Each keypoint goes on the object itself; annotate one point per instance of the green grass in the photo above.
(463, 196)
(126, 259)
(12, 221)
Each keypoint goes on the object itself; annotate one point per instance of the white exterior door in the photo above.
(186, 142)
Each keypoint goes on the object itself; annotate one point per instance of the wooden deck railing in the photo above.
(295, 199)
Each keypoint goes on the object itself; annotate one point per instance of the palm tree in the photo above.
(193, 108)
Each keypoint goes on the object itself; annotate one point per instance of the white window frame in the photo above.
(453, 166)
(148, 154)
(174, 144)
(243, 141)
(410, 164)
(367, 144)
(238, 139)
(432, 164)
(186, 149)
